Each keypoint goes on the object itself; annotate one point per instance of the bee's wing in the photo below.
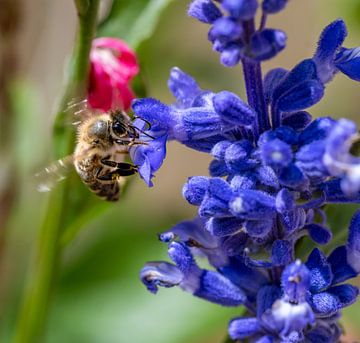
(79, 111)
(48, 178)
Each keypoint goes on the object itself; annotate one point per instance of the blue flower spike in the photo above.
(273, 171)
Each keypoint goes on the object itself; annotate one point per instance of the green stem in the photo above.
(43, 270)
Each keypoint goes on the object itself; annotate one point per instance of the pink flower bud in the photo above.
(113, 66)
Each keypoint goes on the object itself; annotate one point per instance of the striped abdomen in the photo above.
(88, 168)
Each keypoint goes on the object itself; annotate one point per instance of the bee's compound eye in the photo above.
(118, 128)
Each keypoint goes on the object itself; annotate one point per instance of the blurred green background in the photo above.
(100, 298)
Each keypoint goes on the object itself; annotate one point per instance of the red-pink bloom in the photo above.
(113, 65)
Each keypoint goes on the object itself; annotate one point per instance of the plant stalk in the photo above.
(254, 86)
(44, 268)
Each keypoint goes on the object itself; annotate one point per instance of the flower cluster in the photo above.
(274, 170)
(233, 34)
(113, 66)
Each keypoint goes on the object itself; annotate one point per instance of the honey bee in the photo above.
(102, 142)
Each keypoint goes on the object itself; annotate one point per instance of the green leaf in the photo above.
(339, 217)
(133, 21)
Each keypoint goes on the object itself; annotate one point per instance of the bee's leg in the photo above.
(122, 169)
(130, 142)
(106, 162)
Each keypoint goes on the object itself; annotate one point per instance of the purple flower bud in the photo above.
(242, 9)
(195, 189)
(267, 43)
(204, 11)
(232, 109)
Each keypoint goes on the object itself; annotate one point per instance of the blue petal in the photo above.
(218, 151)
(213, 207)
(346, 294)
(282, 252)
(258, 228)
(218, 168)
(224, 226)
(317, 130)
(149, 158)
(183, 86)
(204, 10)
(265, 339)
(283, 133)
(191, 232)
(225, 29)
(325, 304)
(276, 153)
(295, 281)
(338, 145)
(272, 80)
(241, 182)
(340, 267)
(318, 233)
(216, 288)
(216, 201)
(334, 193)
(287, 318)
(338, 159)
(231, 55)
(305, 70)
(266, 297)
(247, 278)
(324, 334)
(243, 327)
(320, 271)
(203, 99)
(291, 176)
(348, 62)
(301, 96)
(232, 109)
(243, 9)
(298, 120)
(154, 112)
(198, 123)
(234, 244)
(353, 244)
(284, 201)
(162, 274)
(309, 159)
(267, 177)
(330, 41)
(181, 255)
(293, 219)
(253, 205)
(267, 43)
(204, 144)
(237, 157)
(195, 189)
(273, 6)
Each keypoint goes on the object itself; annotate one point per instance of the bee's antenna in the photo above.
(146, 134)
(147, 129)
(145, 121)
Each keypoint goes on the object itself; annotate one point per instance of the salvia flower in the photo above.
(273, 172)
(113, 66)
